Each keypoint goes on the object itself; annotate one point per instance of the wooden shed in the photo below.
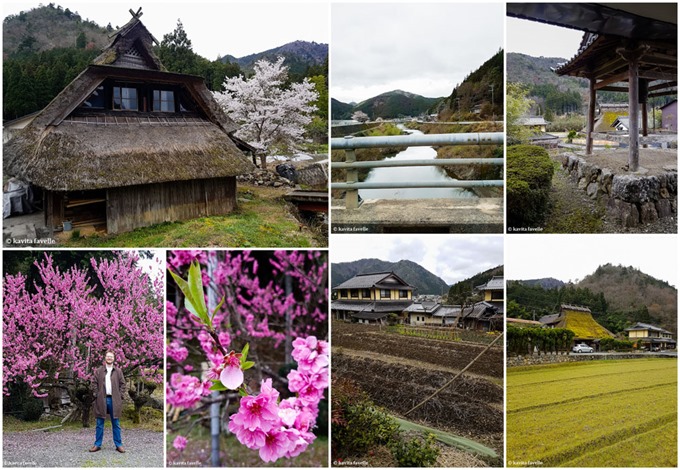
(128, 144)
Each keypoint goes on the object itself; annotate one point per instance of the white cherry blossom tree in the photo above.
(272, 115)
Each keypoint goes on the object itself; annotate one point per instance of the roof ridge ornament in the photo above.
(138, 14)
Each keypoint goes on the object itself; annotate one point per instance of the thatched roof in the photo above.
(82, 156)
(64, 149)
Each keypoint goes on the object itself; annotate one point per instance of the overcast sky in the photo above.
(214, 28)
(421, 48)
(452, 257)
(571, 257)
(539, 39)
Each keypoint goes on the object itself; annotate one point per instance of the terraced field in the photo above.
(397, 372)
(596, 414)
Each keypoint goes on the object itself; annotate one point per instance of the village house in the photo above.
(488, 314)
(371, 297)
(650, 337)
(431, 312)
(127, 144)
(669, 116)
(579, 320)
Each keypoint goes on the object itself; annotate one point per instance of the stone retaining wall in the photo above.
(631, 199)
(535, 359)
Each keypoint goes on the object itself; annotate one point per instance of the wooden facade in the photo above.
(144, 205)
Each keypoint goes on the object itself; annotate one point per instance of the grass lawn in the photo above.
(263, 219)
(597, 414)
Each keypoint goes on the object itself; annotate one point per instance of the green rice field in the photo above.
(593, 414)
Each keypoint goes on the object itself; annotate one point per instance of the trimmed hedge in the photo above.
(529, 177)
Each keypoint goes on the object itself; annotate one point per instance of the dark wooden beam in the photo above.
(660, 86)
(663, 93)
(619, 77)
(621, 89)
(654, 75)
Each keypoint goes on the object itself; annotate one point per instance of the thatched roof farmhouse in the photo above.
(129, 144)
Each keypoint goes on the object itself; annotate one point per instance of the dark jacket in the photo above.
(117, 391)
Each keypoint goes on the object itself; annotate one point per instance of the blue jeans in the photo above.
(115, 424)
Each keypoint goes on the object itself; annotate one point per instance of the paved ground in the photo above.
(69, 448)
(469, 215)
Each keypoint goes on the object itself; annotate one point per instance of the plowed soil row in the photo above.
(469, 407)
(443, 353)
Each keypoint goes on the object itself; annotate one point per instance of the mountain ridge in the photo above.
(387, 105)
(423, 280)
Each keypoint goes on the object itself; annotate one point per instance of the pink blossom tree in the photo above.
(271, 115)
(270, 306)
(55, 334)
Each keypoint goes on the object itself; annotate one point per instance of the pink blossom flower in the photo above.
(177, 352)
(310, 353)
(258, 412)
(184, 390)
(275, 446)
(309, 387)
(179, 443)
(231, 375)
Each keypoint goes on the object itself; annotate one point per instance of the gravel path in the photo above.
(69, 448)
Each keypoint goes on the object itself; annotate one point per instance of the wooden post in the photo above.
(590, 125)
(633, 110)
(351, 195)
(633, 58)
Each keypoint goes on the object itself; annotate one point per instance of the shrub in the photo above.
(529, 176)
(358, 425)
(609, 344)
(417, 452)
(32, 410)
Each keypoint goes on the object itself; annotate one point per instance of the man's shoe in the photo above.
(120, 449)
(95, 449)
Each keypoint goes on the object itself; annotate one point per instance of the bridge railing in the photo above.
(350, 144)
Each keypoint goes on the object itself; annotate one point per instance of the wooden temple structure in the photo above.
(625, 48)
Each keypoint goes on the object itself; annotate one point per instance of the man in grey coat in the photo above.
(109, 389)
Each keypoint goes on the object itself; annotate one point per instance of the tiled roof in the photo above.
(369, 315)
(648, 327)
(388, 306)
(368, 280)
(495, 283)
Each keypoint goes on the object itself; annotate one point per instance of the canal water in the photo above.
(412, 174)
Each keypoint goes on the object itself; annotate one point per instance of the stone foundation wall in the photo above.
(631, 199)
(535, 359)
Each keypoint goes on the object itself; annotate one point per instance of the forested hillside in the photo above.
(461, 292)
(618, 296)
(482, 88)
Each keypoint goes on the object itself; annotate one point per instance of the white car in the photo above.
(582, 348)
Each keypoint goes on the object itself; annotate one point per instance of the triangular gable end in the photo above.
(131, 47)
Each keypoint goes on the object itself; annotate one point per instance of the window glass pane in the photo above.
(164, 101)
